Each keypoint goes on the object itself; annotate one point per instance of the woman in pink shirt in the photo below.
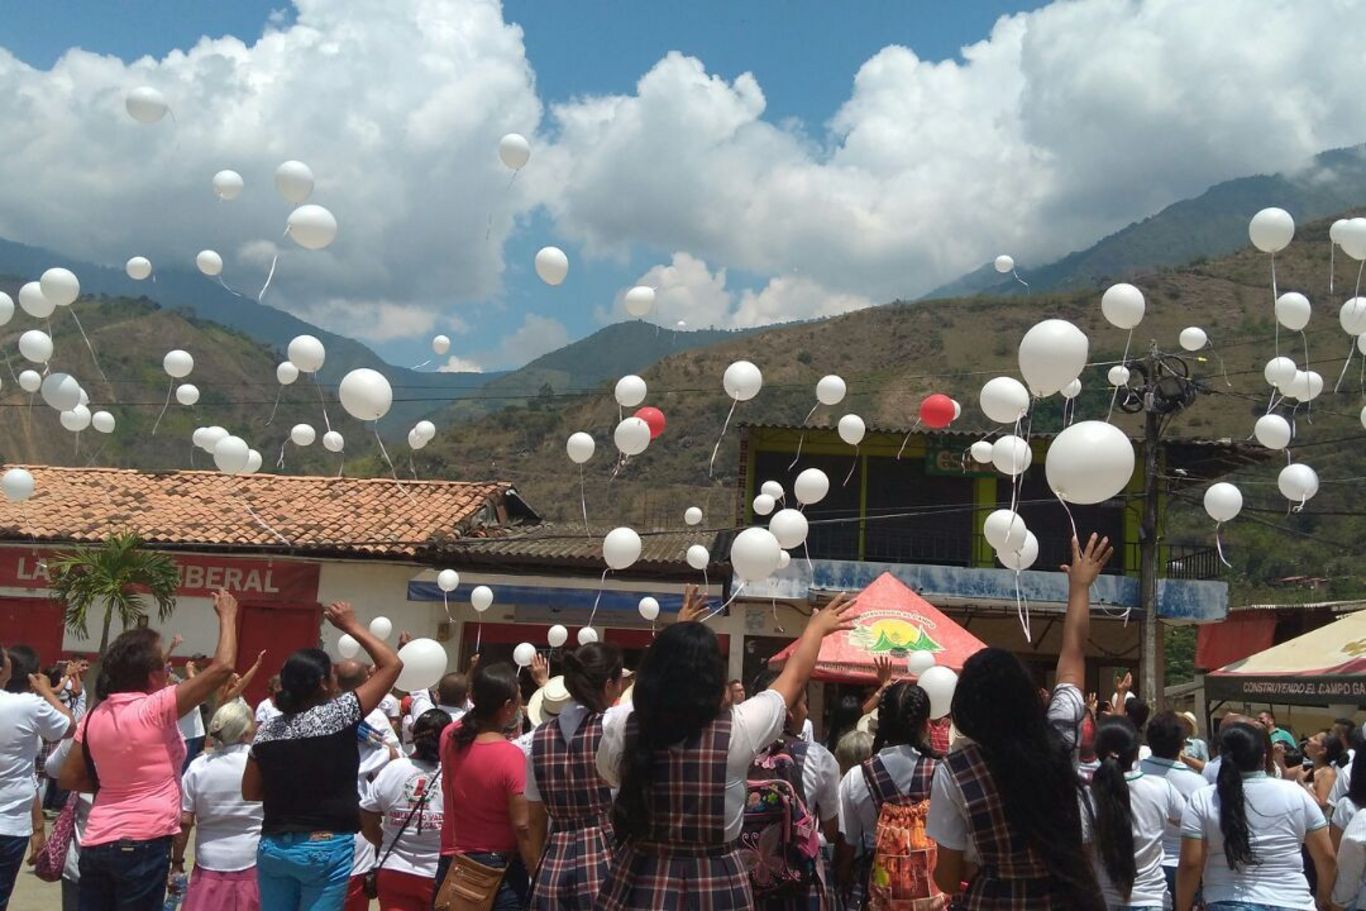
(483, 776)
(129, 752)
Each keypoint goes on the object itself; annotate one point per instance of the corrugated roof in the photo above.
(360, 516)
(566, 545)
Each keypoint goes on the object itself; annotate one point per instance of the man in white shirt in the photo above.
(452, 691)
(1166, 736)
(350, 675)
(1350, 890)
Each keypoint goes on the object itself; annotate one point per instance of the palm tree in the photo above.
(115, 574)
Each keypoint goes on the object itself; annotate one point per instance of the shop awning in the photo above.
(1326, 666)
(891, 621)
(1242, 634)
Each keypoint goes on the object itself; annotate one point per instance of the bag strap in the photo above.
(90, 772)
(417, 808)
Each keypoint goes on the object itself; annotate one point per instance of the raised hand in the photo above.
(224, 604)
(404, 638)
(694, 605)
(341, 615)
(540, 670)
(883, 666)
(832, 618)
(1088, 562)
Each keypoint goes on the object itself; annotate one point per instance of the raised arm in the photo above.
(237, 689)
(189, 694)
(387, 663)
(829, 619)
(1076, 627)
(883, 666)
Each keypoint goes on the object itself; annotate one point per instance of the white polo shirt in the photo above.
(1154, 803)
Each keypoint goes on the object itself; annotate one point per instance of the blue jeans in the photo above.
(303, 872)
(12, 849)
(125, 875)
(1243, 906)
(516, 885)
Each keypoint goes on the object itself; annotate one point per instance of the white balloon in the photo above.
(1272, 431)
(1363, 417)
(1293, 310)
(294, 181)
(1223, 501)
(333, 441)
(640, 300)
(1118, 375)
(230, 454)
(380, 627)
(632, 436)
(1298, 482)
(424, 664)
(852, 429)
(366, 394)
(6, 308)
(302, 434)
(61, 391)
(85, 399)
(1315, 380)
(448, 580)
(253, 462)
(347, 646)
(1004, 530)
(209, 262)
(552, 265)
(312, 227)
(1280, 371)
(692, 516)
(1352, 238)
(1004, 400)
(742, 381)
(145, 104)
(621, 548)
(1193, 338)
(939, 683)
(649, 609)
(784, 560)
(30, 380)
(77, 419)
(754, 554)
(441, 344)
(1089, 462)
(698, 557)
(1020, 560)
(1361, 343)
(227, 185)
(1299, 387)
(811, 486)
(426, 430)
(630, 391)
(1011, 455)
(187, 393)
(981, 452)
(1052, 354)
(773, 489)
(514, 151)
(1271, 230)
(1071, 390)
(306, 353)
(138, 268)
(60, 286)
(102, 421)
(17, 484)
(416, 440)
(1352, 316)
(763, 504)
(524, 654)
(790, 527)
(920, 661)
(1335, 231)
(1005, 264)
(580, 447)
(557, 636)
(36, 346)
(34, 302)
(212, 436)
(481, 598)
(198, 437)
(177, 363)
(1123, 305)
(587, 636)
(830, 390)
(286, 373)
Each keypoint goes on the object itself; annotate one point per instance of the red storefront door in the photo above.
(36, 622)
(278, 630)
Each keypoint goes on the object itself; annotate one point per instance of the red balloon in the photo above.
(655, 418)
(936, 412)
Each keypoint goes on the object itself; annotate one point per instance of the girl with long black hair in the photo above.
(569, 800)
(1129, 812)
(1005, 808)
(1351, 803)
(681, 759)
(1244, 836)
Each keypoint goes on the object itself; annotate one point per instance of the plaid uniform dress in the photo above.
(1011, 874)
(882, 789)
(685, 862)
(814, 899)
(579, 804)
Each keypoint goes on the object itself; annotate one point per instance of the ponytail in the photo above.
(1117, 749)
(303, 678)
(1243, 750)
(903, 716)
(493, 687)
(587, 671)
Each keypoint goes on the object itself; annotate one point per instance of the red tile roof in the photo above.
(355, 516)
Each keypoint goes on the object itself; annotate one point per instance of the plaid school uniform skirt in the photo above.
(664, 879)
(573, 869)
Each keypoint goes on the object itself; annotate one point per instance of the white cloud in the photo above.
(457, 364)
(537, 335)
(371, 321)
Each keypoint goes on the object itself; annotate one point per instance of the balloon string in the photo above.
(706, 583)
(412, 467)
(907, 438)
(269, 275)
(1114, 396)
(322, 401)
(583, 501)
(733, 595)
(169, 390)
(1219, 544)
(711, 465)
(10, 366)
(446, 602)
(280, 462)
(227, 287)
(1351, 347)
(852, 466)
(806, 552)
(802, 439)
(1332, 248)
(91, 348)
(236, 493)
(392, 471)
(1020, 280)
(776, 623)
(421, 365)
(1022, 610)
(601, 582)
(478, 636)
(1357, 292)
(1218, 357)
(276, 407)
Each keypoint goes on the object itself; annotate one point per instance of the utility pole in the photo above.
(1151, 676)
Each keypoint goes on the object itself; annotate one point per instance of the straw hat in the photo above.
(548, 701)
(626, 694)
(1189, 718)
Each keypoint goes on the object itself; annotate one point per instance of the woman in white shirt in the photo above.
(1353, 799)
(224, 877)
(402, 813)
(1243, 836)
(1128, 814)
(71, 870)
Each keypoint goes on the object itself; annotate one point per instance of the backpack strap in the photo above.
(881, 787)
(923, 781)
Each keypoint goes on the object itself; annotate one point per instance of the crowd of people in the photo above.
(669, 788)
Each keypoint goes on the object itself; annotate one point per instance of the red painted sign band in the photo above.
(200, 576)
